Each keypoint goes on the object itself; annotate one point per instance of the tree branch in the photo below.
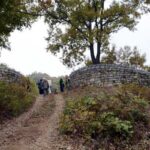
(67, 21)
(29, 13)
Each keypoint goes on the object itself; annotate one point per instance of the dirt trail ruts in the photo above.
(37, 129)
(9, 128)
(30, 132)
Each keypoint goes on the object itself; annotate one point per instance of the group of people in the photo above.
(65, 85)
(44, 87)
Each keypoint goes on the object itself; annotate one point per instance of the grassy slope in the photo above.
(109, 118)
(16, 98)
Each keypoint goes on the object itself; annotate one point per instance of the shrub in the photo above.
(87, 117)
(115, 126)
(134, 105)
(140, 91)
(15, 98)
(116, 116)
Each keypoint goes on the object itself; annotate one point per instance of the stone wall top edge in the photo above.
(113, 66)
(9, 70)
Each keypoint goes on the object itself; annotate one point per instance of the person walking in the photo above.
(67, 83)
(61, 83)
(50, 86)
(40, 86)
(45, 87)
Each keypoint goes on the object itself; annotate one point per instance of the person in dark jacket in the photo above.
(61, 83)
(40, 86)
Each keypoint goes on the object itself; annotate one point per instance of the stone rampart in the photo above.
(9, 75)
(109, 74)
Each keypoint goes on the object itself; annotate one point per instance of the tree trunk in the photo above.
(98, 52)
(95, 60)
(92, 53)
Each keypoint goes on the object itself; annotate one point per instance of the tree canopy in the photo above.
(137, 59)
(88, 25)
(126, 56)
(110, 56)
(15, 14)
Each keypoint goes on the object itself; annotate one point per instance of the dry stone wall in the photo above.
(9, 75)
(109, 74)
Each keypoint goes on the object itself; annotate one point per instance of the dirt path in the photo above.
(35, 129)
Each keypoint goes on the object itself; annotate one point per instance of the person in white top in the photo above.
(50, 86)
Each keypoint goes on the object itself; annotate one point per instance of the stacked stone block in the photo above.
(109, 74)
(10, 75)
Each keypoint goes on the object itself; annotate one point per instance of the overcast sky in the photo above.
(28, 52)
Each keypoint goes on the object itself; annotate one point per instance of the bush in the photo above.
(15, 98)
(138, 91)
(116, 116)
(132, 103)
(115, 126)
(86, 117)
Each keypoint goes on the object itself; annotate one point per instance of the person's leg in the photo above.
(60, 88)
(44, 92)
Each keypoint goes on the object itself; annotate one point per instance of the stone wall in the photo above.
(109, 74)
(9, 75)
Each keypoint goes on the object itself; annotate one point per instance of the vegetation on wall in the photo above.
(124, 56)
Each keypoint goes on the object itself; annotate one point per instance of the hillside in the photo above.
(110, 118)
(17, 93)
(87, 118)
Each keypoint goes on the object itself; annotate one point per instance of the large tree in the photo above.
(15, 14)
(79, 25)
